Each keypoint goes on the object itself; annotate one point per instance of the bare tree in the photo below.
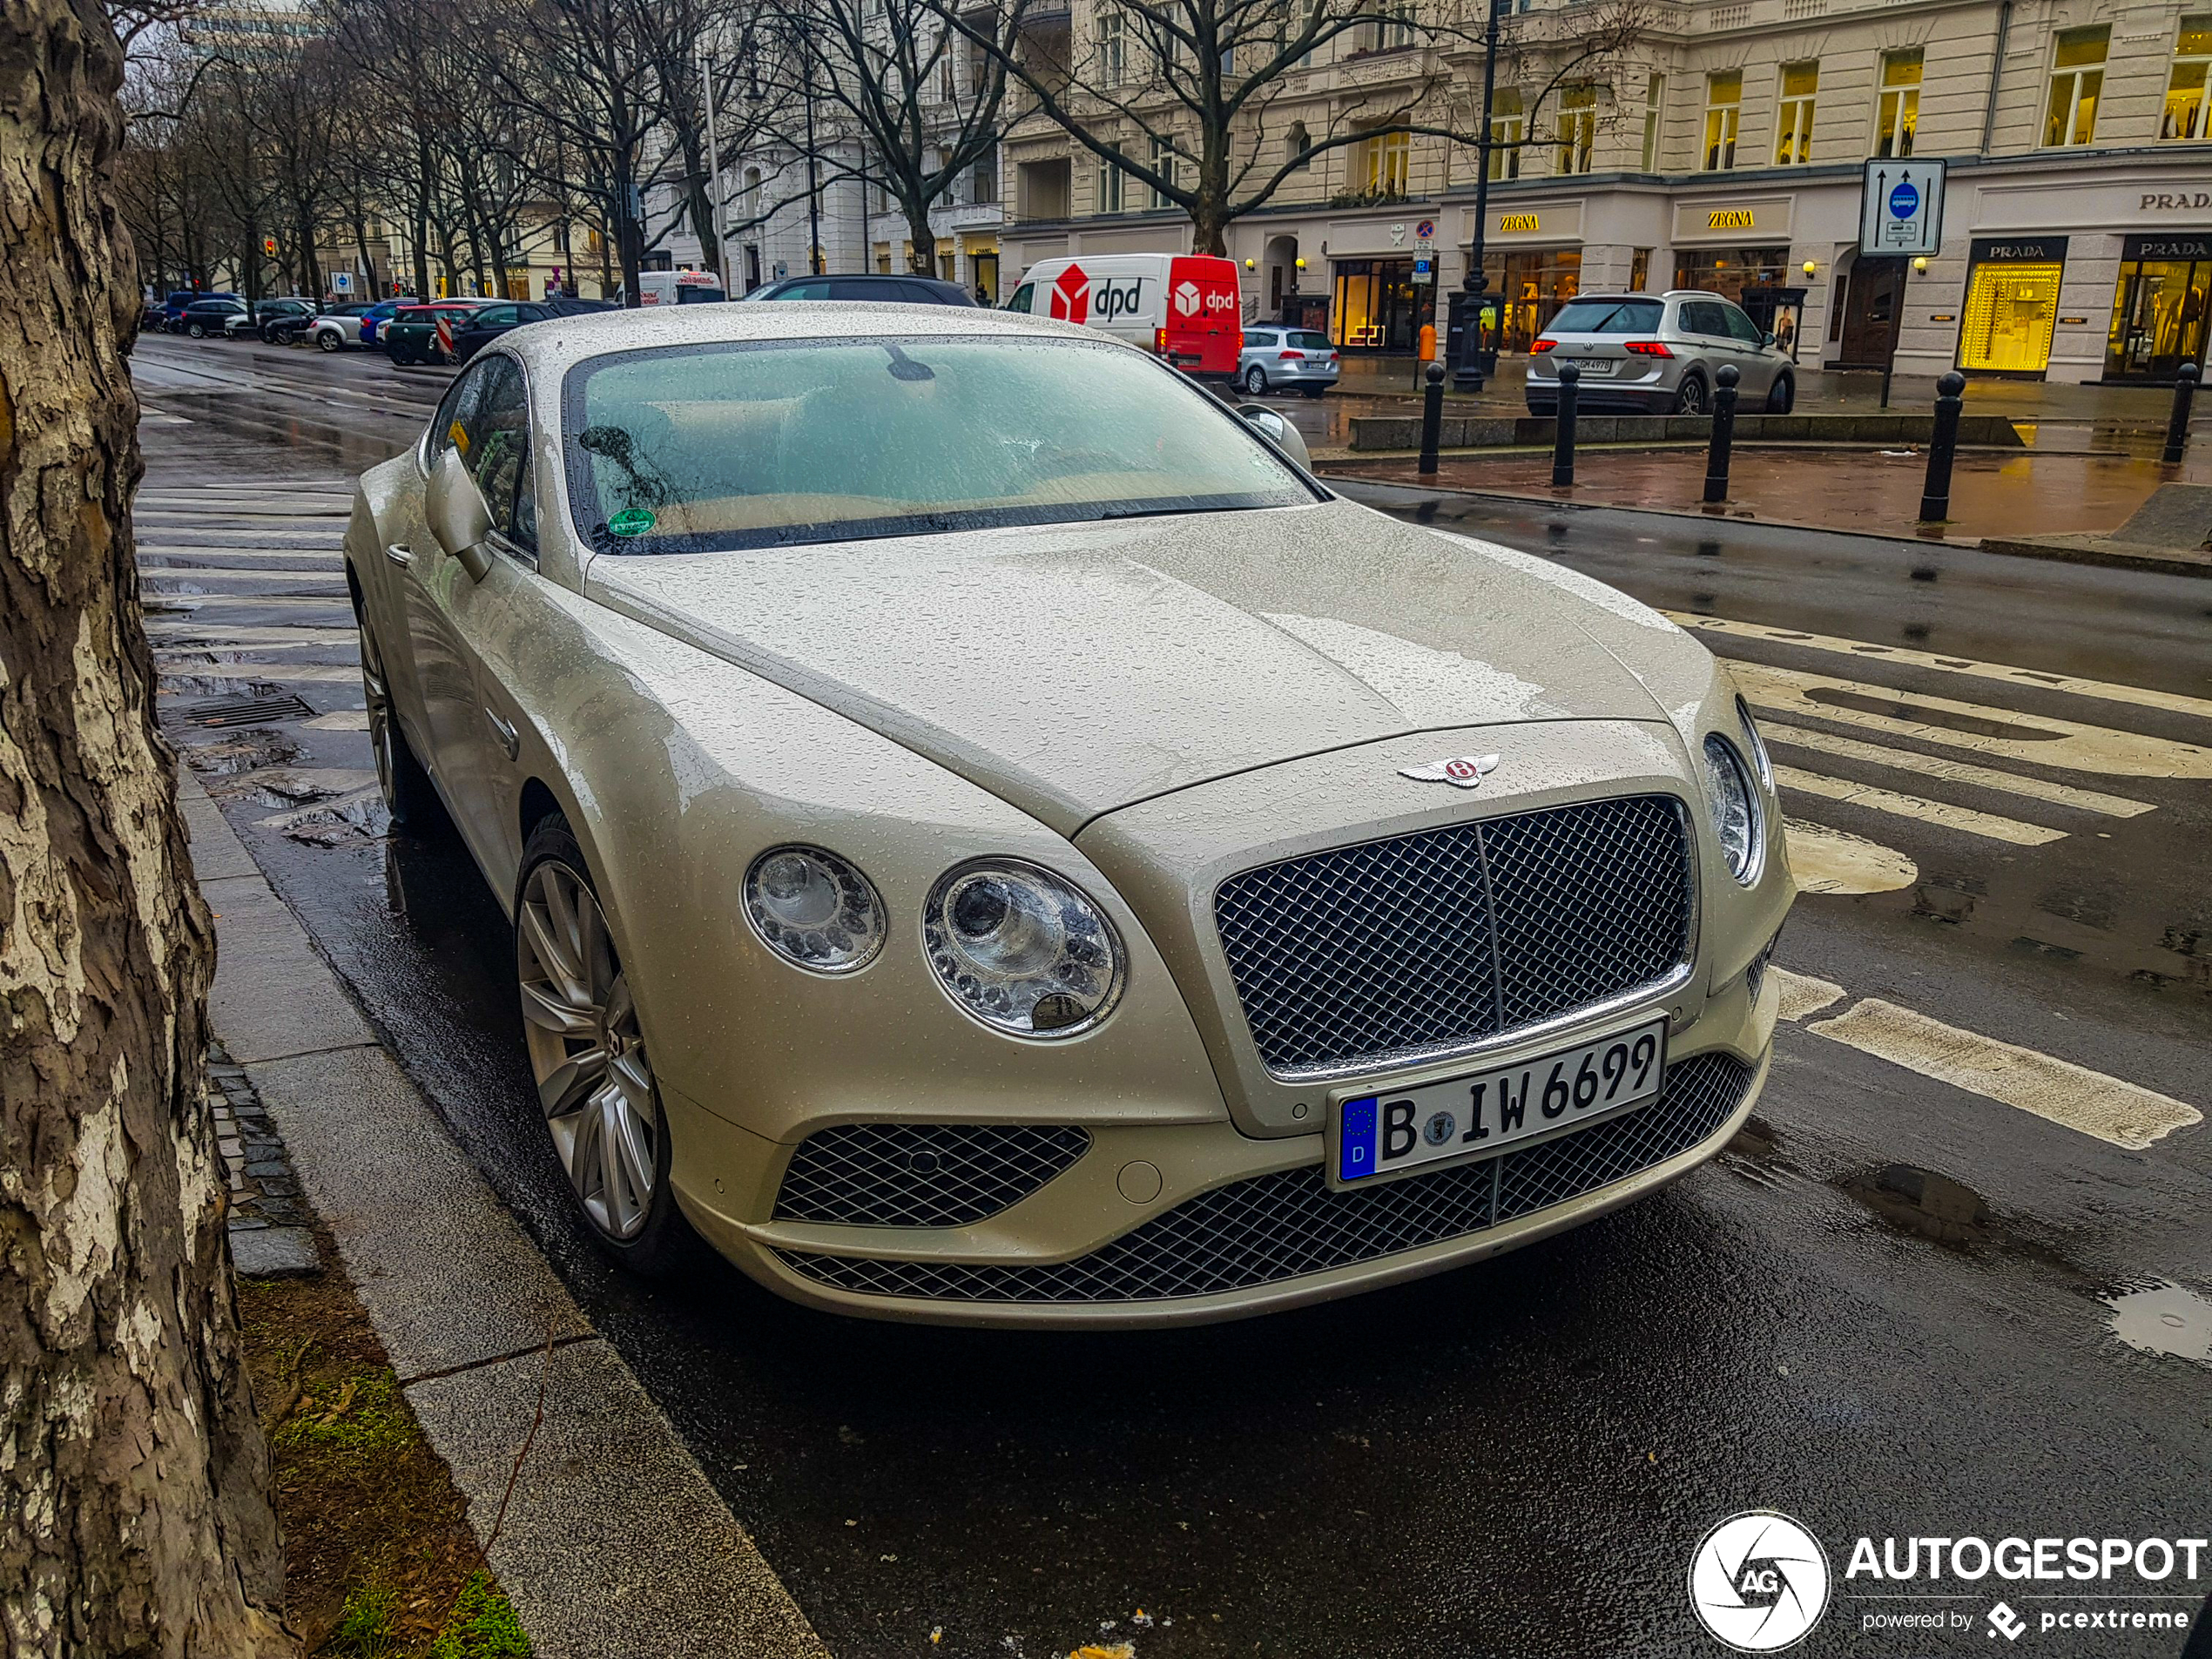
(922, 103)
(1181, 95)
(135, 1479)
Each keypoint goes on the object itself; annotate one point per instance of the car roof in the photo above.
(559, 342)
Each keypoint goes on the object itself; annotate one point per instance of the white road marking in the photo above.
(2054, 1089)
(174, 666)
(1988, 825)
(1955, 772)
(327, 558)
(2143, 697)
(1830, 860)
(2057, 1091)
(229, 573)
(160, 600)
(205, 638)
(340, 720)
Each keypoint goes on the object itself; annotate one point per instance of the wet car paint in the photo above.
(1514, 1459)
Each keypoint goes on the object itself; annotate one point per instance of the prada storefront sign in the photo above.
(2166, 248)
(2018, 249)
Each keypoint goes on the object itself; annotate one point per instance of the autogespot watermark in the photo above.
(1760, 1581)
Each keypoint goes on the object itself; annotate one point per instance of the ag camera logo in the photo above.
(1759, 1582)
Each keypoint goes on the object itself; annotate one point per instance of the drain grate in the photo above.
(245, 710)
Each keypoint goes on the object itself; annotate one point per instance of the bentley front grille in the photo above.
(1281, 1226)
(922, 1175)
(1423, 944)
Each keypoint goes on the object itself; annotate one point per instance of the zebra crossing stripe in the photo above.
(1988, 825)
(1955, 772)
(2110, 692)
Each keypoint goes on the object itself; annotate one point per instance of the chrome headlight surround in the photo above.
(815, 910)
(1755, 744)
(1732, 805)
(1022, 950)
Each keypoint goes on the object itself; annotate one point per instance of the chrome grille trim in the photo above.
(922, 1175)
(1280, 1226)
(1445, 941)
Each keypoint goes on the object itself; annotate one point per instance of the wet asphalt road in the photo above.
(1519, 1458)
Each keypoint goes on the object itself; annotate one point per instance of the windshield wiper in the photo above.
(1164, 512)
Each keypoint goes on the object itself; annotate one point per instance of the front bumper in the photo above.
(1171, 1223)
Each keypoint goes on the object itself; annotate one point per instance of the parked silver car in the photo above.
(1658, 354)
(1279, 358)
(341, 327)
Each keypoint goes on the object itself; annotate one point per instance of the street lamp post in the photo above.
(1473, 364)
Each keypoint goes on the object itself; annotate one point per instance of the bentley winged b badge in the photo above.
(1466, 771)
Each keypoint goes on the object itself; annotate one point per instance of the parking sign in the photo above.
(1900, 208)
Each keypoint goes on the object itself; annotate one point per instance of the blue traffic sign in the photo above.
(1905, 200)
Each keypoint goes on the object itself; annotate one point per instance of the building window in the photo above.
(2077, 78)
(1793, 121)
(1378, 164)
(1166, 163)
(1508, 125)
(2184, 121)
(1639, 270)
(1299, 144)
(984, 191)
(1898, 113)
(1391, 31)
(1724, 104)
(1577, 129)
(1655, 93)
(1110, 178)
(1113, 45)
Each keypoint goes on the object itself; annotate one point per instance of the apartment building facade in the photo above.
(1723, 148)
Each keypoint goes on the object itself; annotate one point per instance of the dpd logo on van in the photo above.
(1071, 296)
(1186, 299)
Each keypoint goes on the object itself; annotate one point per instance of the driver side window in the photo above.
(1023, 298)
(453, 426)
(499, 456)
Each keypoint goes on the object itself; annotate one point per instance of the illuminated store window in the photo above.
(1507, 124)
(1724, 104)
(2011, 308)
(2184, 121)
(2077, 81)
(1898, 111)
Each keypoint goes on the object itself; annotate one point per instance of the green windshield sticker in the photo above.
(630, 520)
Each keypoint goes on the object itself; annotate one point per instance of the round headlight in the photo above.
(813, 909)
(1734, 807)
(1022, 950)
(1756, 745)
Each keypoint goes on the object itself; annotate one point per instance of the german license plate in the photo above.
(1462, 1119)
(1594, 365)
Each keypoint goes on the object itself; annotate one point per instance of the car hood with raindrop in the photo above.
(1075, 668)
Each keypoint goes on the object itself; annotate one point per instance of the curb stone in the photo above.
(614, 1542)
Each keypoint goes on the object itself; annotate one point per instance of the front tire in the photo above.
(409, 797)
(1781, 396)
(195, 331)
(1256, 381)
(595, 1079)
(328, 340)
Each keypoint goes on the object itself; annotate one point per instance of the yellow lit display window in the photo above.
(2010, 310)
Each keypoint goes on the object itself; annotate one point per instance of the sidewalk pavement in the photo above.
(614, 1542)
(1996, 494)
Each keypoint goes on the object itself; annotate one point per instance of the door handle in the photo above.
(397, 554)
(510, 739)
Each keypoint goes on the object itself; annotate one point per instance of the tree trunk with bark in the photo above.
(134, 1515)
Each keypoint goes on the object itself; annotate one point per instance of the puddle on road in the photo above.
(1924, 1203)
(2163, 1318)
(1827, 861)
(242, 751)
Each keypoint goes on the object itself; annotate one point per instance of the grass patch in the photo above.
(380, 1562)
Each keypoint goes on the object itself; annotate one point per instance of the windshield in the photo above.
(700, 448)
(1607, 317)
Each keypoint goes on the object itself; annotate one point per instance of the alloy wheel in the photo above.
(1256, 380)
(376, 691)
(1690, 400)
(587, 1052)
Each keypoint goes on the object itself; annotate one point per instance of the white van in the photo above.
(1185, 308)
(678, 287)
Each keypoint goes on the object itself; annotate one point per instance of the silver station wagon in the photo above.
(991, 838)
(1658, 354)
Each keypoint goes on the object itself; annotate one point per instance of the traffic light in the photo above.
(268, 246)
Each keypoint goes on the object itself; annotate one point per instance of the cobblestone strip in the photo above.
(269, 1237)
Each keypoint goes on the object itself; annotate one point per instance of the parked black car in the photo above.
(211, 316)
(883, 290)
(288, 326)
(266, 312)
(493, 320)
(173, 309)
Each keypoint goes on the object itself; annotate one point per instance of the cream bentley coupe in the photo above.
(990, 838)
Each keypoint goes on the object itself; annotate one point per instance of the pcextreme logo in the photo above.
(1759, 1582)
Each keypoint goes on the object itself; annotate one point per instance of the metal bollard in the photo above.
(1724, 433)
(1935, 495)
(2177, 424)
(1432, 418)
(1571, 394)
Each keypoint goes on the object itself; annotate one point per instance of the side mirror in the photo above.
(1277, 431)
(1768, 340)
(457, 515)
